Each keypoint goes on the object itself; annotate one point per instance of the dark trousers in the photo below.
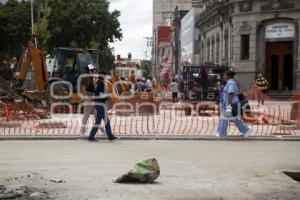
(101, 114)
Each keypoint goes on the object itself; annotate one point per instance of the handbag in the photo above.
(241, 107)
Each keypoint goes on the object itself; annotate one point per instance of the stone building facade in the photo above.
(254, 36)
(163, 10)
(163, 17)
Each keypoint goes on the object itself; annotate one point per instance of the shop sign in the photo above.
(280, 30)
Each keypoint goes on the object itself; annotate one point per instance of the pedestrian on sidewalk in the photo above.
(261, 88)
(88, 90)
(204, 80)
(230, 97)
(149, 85)
(174, 89)
(101, 111)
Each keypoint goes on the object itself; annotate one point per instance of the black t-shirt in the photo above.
(90, 88)
(6, 73)
(100, 88)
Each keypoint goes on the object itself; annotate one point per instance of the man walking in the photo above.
(101, 112)
(88, 90)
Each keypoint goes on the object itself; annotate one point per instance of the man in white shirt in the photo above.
(149, 85)
(174, 89)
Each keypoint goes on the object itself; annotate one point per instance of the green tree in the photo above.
(41, 26)
(65, 23)
(14, 27)
(146, 67)
(86, 24)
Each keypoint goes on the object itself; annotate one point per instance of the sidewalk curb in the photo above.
(184, 138)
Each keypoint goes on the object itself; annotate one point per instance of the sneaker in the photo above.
(91, 140)
(246, 135)
(218, 136)
(114, 139)
(85, 135)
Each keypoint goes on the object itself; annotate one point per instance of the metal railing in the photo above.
(172, 121)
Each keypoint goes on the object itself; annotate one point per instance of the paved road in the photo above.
(190, 170)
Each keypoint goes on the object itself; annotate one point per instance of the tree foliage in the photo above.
(14, 27)
(145, 66)
(61, 23)
(41, 25)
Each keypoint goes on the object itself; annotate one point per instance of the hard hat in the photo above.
(5, 62)
(91, 66)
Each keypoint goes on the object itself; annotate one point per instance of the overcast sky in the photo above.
(136, 24)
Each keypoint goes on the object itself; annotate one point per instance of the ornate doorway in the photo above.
(279, 65)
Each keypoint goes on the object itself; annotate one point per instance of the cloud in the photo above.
(136, 24)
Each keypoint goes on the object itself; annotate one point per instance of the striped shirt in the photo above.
(262, 84)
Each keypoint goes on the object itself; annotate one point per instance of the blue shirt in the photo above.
(230, 87)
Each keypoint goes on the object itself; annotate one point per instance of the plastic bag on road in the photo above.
(146, 171)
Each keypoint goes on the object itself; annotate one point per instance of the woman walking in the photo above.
(230, 97)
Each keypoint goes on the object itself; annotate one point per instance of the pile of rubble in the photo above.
(21, 111)
(7, 94)
(51, 125)
(21, 192)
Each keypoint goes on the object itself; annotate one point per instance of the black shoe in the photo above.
(90, 139)
(114, 139)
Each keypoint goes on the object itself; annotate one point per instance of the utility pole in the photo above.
(149, 44)
(32, 20)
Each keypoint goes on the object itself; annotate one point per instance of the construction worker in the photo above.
(6, 72)
(261, 88)
(228, 99)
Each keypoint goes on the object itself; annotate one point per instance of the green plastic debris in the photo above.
(146, 171)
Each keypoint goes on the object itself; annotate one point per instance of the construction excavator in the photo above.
(38, 85)
(31, 76)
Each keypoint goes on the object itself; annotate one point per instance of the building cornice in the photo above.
(265, 12)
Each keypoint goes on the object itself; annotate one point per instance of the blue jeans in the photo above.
(101, 114)
(223, 125)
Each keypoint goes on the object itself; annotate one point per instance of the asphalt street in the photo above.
(190, 170)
